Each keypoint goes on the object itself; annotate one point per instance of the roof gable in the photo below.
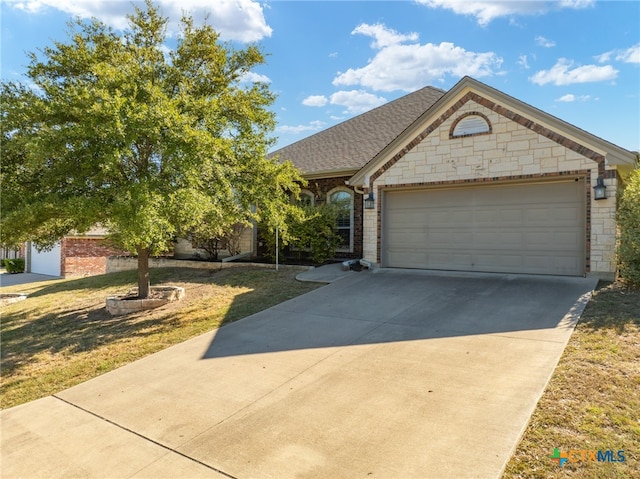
(348, 146)
(469, 89)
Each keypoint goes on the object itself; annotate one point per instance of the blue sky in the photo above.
(330, 60)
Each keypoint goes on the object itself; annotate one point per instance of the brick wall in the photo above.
(512, 151)
(86, 256)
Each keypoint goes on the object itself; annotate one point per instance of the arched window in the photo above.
(306, 198)
(343, 199)
(469, 124)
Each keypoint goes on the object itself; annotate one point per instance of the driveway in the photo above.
(388, 374)
(7, 279)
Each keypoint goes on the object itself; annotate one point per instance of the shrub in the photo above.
(212, 239)
(628, 217)
(15, 265)
(310, 234)
(317, 233)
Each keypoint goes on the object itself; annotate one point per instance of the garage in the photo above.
(45, 262)
(534, 228)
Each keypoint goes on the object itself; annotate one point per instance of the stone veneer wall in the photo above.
(183, 248)
(512, 151)
(123, 263)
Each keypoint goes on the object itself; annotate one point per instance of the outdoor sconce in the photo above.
(369, 202)
(600, 191)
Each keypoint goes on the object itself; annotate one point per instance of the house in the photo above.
(73, 255)
(469, 179)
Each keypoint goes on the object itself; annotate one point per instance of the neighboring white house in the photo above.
(73, 255)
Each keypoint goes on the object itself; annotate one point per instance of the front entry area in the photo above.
(533, 228)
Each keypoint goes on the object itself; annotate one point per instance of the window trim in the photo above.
(342, 189)
(454, 125)
(309, 194)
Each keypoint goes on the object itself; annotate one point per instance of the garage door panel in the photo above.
(497, 240)
(525, 228)
(46, 261)
(448, 239)
(442, 259)
(441, 216)
(566, 213)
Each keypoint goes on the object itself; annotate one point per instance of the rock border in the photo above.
(8, 298)
(125, 304)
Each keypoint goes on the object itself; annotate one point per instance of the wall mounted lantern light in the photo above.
(600, 191)
(369, 201)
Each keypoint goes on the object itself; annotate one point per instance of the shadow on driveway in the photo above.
(394, 305)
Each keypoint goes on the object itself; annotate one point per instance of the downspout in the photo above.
(346, 265)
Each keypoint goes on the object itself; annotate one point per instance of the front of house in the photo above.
(468, 180)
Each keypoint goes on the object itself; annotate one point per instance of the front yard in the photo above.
(62, 335)
(592, 402)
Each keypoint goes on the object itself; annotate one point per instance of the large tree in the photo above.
(117, 130)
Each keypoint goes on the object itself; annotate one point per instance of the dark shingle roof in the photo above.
(351, 144)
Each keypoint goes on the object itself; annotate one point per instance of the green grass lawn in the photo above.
(62, 335)
(592, 401)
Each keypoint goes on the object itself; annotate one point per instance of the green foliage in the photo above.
(15, 265)
(223, 236)
(628, 217)
(149, 144)
(316, 232)
(311, 232)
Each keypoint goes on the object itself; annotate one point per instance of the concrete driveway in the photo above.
(378, 375)
(7, 279)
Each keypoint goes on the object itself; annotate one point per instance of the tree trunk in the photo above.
(143, 273)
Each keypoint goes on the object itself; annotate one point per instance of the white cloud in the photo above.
(630, 55)
(296, 130)
(486, 11)
(241, 20)
(562, 74)
(252, 77)
(604, 57)
(399, 66)
(523, 62)
(383, 36)
(315, 100)
(576, 3)
(357, 101)
(545, 42)
(570, 97)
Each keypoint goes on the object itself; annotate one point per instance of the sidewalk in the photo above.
(325, 274)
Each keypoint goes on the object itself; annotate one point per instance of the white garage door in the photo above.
(536, 228)
(46, 262)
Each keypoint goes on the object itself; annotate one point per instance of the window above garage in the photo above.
(470, 124)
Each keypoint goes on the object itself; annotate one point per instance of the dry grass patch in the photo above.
(62, 335)
(592, 401)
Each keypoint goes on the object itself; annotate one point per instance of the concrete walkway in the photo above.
(383, 374)
(325, 274)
